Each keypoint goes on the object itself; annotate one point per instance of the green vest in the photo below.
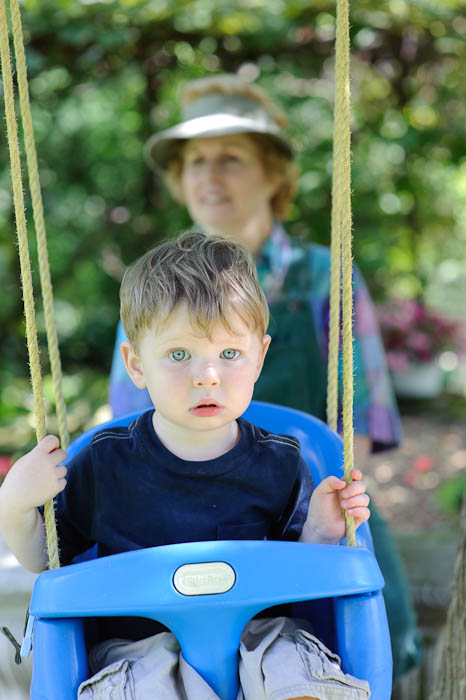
(294, 372)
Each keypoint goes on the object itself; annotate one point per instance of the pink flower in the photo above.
(419, 341)
(414, 333)
(423, 463)
(397, 361)
(5, 464)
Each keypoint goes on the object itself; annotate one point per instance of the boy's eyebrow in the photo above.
(180, 339)
(173, 340)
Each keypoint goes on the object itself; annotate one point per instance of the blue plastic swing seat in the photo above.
(178, 585)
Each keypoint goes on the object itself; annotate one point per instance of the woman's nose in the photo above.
(213, 170)
(206, 375)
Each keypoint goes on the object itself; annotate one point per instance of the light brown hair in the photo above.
(215, 276)
(275, 162)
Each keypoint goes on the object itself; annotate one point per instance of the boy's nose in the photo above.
(206, 375)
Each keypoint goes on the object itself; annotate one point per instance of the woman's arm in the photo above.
(375, 410)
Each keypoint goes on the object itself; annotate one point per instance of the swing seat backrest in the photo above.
(206, 592)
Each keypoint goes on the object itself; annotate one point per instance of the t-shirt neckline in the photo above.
(152, 444)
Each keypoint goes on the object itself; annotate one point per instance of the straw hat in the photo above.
(215, 114)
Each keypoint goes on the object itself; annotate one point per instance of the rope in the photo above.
(38, 214)
(25, 266)
(341, 250)
(334, 321)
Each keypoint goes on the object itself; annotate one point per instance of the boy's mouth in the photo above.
(206, 407)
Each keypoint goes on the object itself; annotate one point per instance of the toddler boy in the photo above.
(190, 470)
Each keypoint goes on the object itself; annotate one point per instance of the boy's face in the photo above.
(195, 382)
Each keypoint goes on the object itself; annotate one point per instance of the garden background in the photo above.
(105, 75)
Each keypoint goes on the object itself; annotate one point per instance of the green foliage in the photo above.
(104, 75)
(450, 494)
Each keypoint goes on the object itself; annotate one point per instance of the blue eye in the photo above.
(229, 354)
(179, 355)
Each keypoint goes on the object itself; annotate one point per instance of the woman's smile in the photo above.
(214, 197)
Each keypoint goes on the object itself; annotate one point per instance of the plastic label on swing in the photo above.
(204, 578)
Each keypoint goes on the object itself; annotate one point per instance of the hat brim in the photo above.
(159, 147)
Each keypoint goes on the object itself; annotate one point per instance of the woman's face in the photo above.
(226, 188)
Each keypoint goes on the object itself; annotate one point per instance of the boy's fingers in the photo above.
(356, 474)
(354, 488)
(331, 484)
(59, 456)
(61, 485)
(61, 472)
(49, 443)
(360, 501)
(359, 514)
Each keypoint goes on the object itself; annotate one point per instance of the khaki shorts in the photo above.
(277, 661)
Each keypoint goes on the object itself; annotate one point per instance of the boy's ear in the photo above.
(265, 346)
(133, 364)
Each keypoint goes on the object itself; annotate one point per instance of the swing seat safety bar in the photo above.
(167, 584)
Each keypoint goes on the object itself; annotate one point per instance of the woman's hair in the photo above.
(275, 162)
(215, 276)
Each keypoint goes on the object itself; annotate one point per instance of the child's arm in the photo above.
(34, 479)
(325, 522)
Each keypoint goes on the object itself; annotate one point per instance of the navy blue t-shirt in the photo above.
(127, 491)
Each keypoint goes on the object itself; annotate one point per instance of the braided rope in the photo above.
(38, 214)
(25, 266)
(335, 298)
(341, 249)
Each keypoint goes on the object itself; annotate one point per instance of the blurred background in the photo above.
(105, 75)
